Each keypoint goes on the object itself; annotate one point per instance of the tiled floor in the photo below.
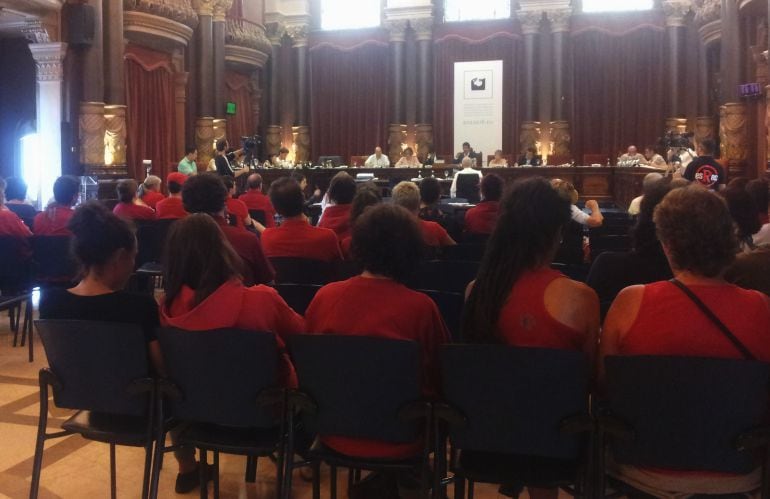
(77, 468)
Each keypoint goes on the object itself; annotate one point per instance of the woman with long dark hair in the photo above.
(517, 298)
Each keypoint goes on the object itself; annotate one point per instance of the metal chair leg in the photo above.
(459, 487)
(113, 473)
(37, 465)
(251, 469)
(28, 327)
(147, 469)
(351, 480)
(216, 475)
(317, 480)
(470, 489)
(202, 469)
(333, 482)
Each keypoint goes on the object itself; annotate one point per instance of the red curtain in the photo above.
(618, 90)
(150, 113)
(452, 48)
(240, 124)
(349, 99)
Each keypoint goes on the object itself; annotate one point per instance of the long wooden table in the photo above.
(606, 183)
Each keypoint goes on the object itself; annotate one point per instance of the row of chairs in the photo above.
(514, 416)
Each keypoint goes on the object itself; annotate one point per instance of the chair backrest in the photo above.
(221, 374)
(359, 384)
(14, 266)
(289, 270)
(259, 216)
(95, 364)
(467, 252)
(298, 296)
(602, 244)
(53, 261)
(451, 307)
(571, 249)
(449, 276)
(686, 412)
(151, 239)
(515, 399)
(468, 187)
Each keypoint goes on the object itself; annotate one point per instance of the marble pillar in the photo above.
(114, 46)
(218, 31)
(530, 27)
(423, 30)
(204, 40)
(675, 11)
(397, 31)
(561, 138)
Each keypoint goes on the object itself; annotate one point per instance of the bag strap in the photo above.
(713, 318)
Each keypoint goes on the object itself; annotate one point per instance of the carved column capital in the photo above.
(204, 7)
(560, 20)
(530, 21)
(397, 29)
(35, 32)
(706, 11)
(221, 8)
(298, 34)
(48, 59)
(275, 32)
(423, 28)
(676, 11)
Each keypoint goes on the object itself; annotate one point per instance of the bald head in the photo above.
(468, 162)
(651, 179)
(378, 151)
(632, 150)
(254, 181)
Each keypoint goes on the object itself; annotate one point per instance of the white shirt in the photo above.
(464, 171)
(762, 238)
(374, 162)
(579, 215)
(635, 207)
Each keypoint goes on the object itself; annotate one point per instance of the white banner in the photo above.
(478, 107)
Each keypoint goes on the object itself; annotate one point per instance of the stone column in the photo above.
(114, 45)
(733, 114)
(275, 34)
(560, 131)
(298, 35)
(48, 59)
(219, 32)
(92, 130)
(180, 105)
(204, 40)
(530, 27)
(115, 134)
(93, 60)
(397, 30)
(273, 139)
(675, 11)
(256, 100)
(423, 30)
(204, 142)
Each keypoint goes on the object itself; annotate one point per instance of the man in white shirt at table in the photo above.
(467, 164)
(377, 160)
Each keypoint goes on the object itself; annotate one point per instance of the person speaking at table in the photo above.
(467, 152)
(224, 158)
(408, 160)
(530, 158)
(377, 160)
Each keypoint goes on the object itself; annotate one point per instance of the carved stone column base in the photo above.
(705, 128)
(92, 129)
(115, 136)
(530, 136)
(676, 125)
(396, 137)
(734, 137)
(220, 129)
(301, 135)
(560, 141)
(423, 139)
(204, 141)
(273, 139)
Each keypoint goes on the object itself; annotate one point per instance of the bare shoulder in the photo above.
(566, 287)
(624, 309)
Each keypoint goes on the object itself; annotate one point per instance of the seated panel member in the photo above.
(255, 199)
(377, 160)
(654, 159)
(53, 221)
(336, 216)
(296, 237)
(467, 152)
(387, 243)
(482, 218)
(224, 158)
(127, 207)
(282, 159)
(633, 155)
(187, 164)
(206, 193)
(172, 207)
(407, 195)
(408, 160)
(149, 191)
(530, 158)
(499, 161)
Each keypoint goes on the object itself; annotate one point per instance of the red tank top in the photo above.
(525, 322)
(669, 323)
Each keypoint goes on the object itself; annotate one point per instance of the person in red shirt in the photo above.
(235, 207)
(172, 207)
(296, 237)
(206, 193)
(407, 195)
(127, 206)
(368, 195)
(149, 192)
(482, 218)
(53, 221)
(198, 300)
(387, 242)
(11, 225)
(255, 199)
(698, 237)
(336, 216)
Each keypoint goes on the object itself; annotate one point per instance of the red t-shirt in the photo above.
(525, 322)
(232, 305)
(131, 211)
(236, 208)
(256, 200)
(170, 208)
(11, 225)
(348, 307)
(53, 221)
(257, 268)
(299, 239)
(482, 218)
(434, 234)
(337, 218)
(151, 198)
